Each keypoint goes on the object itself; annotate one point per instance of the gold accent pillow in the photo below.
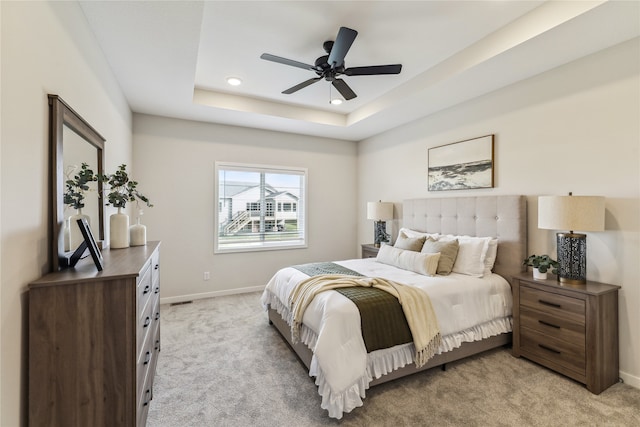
(409, 243)
(448, 253)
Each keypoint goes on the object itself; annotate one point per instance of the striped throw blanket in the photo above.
(416, 306)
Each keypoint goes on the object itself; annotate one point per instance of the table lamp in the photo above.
(380, 212)
(583, 213)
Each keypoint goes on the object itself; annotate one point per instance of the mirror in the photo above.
(72, 142)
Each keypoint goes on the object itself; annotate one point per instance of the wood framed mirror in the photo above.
(72, 141)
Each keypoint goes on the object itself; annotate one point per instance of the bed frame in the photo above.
(504, 217)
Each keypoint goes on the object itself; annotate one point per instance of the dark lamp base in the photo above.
(572, 257)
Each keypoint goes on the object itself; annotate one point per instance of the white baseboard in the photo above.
(629, 379)
(185, 298)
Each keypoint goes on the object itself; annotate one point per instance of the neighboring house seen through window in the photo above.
(259, 207)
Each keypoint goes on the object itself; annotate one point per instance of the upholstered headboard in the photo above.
(504, 217)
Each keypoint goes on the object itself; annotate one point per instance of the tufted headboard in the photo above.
(504, 217)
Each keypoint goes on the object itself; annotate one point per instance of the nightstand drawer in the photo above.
(553, 350)
(560, 306)
(553, 326)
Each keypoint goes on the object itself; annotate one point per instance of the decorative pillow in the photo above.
(425, 264)
(490, 257)
(448, 252)
(413, 233)
(472, 253)
(409, 243)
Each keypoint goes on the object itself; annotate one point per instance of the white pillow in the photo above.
(416, 234)
(490, 257)
(472, 254)
(425, 264)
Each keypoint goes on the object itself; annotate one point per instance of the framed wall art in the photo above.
(461, 165)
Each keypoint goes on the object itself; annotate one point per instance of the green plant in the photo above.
(542, 263)
(122, 189)
(76, 187)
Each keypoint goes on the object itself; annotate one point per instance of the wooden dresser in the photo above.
(94, 339)
(369, 250)
(572, 329)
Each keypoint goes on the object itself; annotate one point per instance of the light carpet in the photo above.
(222, 364)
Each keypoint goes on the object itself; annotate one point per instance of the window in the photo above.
(260, 207)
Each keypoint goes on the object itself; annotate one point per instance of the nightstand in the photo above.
(571, 329)
(369, 250)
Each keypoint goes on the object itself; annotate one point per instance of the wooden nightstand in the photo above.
(572, 329)
(369, 250)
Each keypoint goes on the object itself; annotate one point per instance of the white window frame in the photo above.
(264, 245)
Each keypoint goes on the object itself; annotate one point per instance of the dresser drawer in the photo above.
(562, 354)
(144, 288)
(145, 324)
(553, 326)
(558, 306)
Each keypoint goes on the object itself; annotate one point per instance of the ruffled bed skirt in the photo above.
(379, 362)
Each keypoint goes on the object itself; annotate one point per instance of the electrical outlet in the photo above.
(206, 276)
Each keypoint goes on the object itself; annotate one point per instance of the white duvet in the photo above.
(467, 308)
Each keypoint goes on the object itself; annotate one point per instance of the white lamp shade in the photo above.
(380, 211)
(581, 213)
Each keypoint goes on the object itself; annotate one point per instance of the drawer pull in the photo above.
(548, 324)
(158, 317)
(146, 290)
(157, 346)
(553, 350)
(147, 358)
(156, 290)
(147, 321)
(157, 266)
(551, 304)
(147, 394)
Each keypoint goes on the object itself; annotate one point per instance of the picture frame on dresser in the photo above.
(91, 244)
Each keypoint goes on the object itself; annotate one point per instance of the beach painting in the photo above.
(461, 165)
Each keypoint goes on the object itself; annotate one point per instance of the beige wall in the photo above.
(174, 161)
(575, 128)
(46, 48)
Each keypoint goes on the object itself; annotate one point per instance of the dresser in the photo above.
(572, 329)
(94, 341)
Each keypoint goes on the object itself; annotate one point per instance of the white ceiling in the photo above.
(172, 58)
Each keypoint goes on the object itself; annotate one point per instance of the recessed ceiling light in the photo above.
(234, 81)
(336, 101)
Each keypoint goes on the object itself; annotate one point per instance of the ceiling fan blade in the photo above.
(286, 61)
(341, 46)
(344, 89)
(373, 70)
(301, 86)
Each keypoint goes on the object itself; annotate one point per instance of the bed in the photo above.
(472, 310)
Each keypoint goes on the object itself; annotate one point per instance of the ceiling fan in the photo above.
(332, 65)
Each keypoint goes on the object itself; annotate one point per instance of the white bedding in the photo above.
(467, 308)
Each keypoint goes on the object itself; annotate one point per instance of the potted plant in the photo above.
(122, 189)
(541, 264)
(75, 188)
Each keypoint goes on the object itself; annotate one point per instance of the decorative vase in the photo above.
(75, 235)
(138, 234)
(119, 230)
(538, 275)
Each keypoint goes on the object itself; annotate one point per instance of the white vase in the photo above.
(75, 235)
(138, 234)
(538, 275)
(119, 230)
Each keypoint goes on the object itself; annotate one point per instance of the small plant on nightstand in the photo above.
(541, 264)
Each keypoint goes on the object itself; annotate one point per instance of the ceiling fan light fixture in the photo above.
(335, 101)
(234, 81)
